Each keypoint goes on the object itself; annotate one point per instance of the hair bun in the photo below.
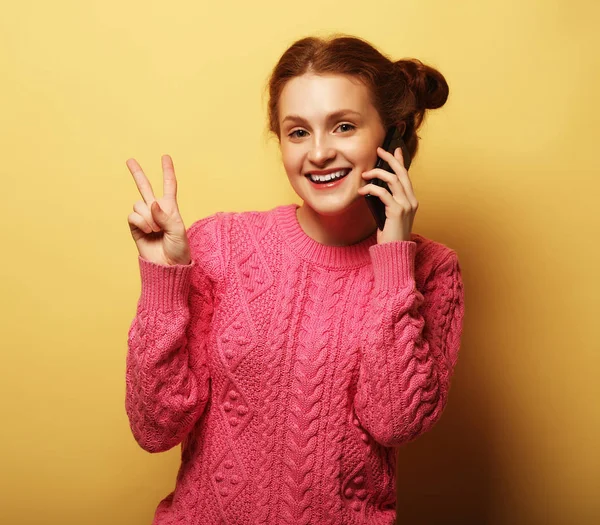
(427, 84)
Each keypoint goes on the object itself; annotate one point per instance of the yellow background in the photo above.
(507, 175)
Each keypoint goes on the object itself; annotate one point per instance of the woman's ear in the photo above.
(402, 128)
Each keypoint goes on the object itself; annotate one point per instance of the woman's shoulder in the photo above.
(246, 222)
(223, 229)
(238, 217)
(430, 253)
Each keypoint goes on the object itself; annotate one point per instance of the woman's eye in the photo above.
(293, 133)
(349, 125)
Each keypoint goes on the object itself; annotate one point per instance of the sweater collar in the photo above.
(341, 257)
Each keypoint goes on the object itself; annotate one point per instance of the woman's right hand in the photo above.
(156, 225)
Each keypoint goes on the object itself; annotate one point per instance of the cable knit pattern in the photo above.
(289, 370)
(404, 375)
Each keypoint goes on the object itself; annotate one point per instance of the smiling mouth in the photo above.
(330, 177)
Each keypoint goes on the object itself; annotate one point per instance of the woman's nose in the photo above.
(321, 151)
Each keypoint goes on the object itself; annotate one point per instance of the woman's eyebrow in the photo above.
(332, 116)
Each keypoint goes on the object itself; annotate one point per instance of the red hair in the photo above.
(400, 90)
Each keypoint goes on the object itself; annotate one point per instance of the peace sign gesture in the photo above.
(156, 225)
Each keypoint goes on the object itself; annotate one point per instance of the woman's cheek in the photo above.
(288, 163)
(369, 156)
(291, 161)
(362, 153)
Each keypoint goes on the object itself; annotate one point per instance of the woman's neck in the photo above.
(350, 227)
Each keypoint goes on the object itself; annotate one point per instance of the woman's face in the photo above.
(328, 122)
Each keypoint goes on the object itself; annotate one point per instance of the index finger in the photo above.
(141, 181)
(169, 180)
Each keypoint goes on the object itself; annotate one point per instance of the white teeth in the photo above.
(329, 176)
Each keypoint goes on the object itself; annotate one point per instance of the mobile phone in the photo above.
(393, 140)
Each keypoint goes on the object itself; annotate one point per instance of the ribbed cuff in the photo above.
(164, 287)
(393, 264)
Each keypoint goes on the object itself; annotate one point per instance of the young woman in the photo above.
(290, 351)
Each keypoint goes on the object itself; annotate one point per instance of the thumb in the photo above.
(159, 215)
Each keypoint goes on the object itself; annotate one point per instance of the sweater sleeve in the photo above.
(167, 378)
(410, 345)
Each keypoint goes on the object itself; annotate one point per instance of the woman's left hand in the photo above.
(401, 205)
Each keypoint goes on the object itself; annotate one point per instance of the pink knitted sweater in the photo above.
(288, 369)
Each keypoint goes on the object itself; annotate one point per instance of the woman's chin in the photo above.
(331, 205)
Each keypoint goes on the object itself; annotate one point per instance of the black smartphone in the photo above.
(393, 140)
